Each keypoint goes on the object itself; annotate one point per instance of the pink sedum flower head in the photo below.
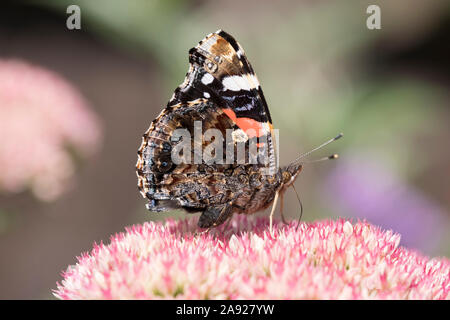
(322, 260)
(41, 115)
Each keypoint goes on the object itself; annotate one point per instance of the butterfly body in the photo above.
(220, 93)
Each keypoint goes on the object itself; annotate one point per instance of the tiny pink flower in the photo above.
(41, 116)
(321, 260)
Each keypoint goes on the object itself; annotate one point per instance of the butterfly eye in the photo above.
(217, 59)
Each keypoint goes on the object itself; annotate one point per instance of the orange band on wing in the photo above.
(250, 126)
(230, 113)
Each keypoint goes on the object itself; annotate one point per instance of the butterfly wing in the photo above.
(219, 70)
(220, 92)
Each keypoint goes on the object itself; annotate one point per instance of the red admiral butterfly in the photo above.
(221, 93)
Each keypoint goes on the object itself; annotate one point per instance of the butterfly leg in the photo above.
(215, 216)
(275, 200)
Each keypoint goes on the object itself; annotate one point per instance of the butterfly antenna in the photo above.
(333, 156)
(319, 147)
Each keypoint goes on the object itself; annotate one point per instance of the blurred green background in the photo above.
(322, 71)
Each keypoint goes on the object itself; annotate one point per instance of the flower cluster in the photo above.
(322, 260)
(42, 119)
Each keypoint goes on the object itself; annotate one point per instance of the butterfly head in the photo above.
(290, 173)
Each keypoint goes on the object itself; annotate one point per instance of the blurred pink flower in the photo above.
(322, 260)
(41, 115)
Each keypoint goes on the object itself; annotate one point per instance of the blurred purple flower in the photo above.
(41, 115)
(367, 189)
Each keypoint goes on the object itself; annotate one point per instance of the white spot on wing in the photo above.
(207, 79)
(206, 95)
(244, 82)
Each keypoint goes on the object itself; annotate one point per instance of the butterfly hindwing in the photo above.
(191, 185)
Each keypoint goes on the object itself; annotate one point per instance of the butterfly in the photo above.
(222, 94)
